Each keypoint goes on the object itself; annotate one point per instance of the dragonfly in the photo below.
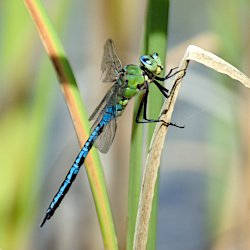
(127, 81)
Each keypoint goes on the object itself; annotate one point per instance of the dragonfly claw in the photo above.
(164, 112)
(171, 124)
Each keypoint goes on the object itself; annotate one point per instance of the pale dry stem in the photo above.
(153, 159)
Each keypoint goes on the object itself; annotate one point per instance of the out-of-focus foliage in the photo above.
(204, 183)
(229, 210)
(26, 92)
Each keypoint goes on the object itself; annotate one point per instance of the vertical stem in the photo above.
(135, 171)
(154, 40)
(78, 114)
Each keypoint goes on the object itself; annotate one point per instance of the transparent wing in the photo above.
(105, 139)
(98, 110)
(111, 64)
(110, 99)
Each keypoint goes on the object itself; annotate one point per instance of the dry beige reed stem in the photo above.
(210, 60)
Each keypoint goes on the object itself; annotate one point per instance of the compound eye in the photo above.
(157, 59)
(149, 63)
(145, 60)
(155, 56)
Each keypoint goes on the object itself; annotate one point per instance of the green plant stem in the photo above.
(79, 117)
(155, 40)
(135, 171)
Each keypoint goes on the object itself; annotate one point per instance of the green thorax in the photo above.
(134, 77)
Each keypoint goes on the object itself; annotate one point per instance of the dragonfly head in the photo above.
(152, 63)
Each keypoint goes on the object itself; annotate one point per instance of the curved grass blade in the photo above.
(78, 114)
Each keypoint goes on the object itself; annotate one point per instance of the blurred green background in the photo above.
(204, 186)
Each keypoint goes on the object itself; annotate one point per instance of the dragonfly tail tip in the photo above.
(44, 220)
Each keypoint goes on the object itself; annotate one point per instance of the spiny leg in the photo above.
(169, 75)
(163, 90)
(175, 84)
(144, 97)
(172, 89)
(143, 104)
(170, 72)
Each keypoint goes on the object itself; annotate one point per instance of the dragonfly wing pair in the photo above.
(105, 139)
(127, 82)
(111, 67)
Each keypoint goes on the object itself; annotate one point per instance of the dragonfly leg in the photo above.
(163, 90)
(143, 104)
(175, 83)
(167, 124)
(144, 97)
(169, 75)
(164, 112)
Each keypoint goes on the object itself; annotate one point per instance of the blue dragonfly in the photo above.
(127, 81)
